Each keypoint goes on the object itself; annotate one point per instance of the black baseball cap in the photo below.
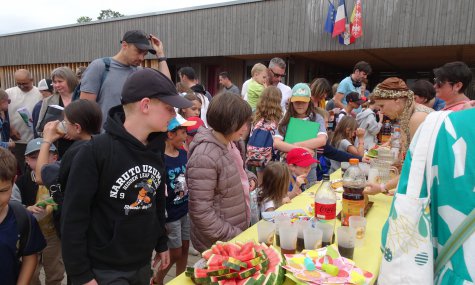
(139, 39)
(354, 97)
(151, 83)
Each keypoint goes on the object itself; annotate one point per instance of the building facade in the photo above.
(405, 38)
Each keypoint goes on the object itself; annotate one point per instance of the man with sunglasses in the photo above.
(24, 97)
(450, 82)
(276, 72)
(104, 77)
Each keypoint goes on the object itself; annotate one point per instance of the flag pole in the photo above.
(346, 14)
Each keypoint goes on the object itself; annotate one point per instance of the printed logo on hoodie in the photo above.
(137, 187)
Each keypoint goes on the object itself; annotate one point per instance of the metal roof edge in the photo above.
(171, 11)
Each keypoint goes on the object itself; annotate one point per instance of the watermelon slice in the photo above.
(246, 256)
(234, 263)
(218, 272)
(231, 275)
(255, 261)
(247, 273)
(232, 249)
(248, 281)
(259, 278)
(245, 248)
(207, 254)
(270, 279)
(216, 260)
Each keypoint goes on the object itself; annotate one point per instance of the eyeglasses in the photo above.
(277, 75)
(22, 84)
(439, 83)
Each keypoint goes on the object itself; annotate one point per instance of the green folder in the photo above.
(300, 130)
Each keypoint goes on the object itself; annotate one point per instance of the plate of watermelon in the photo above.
(238, 263)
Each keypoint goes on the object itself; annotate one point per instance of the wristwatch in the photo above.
(162, 58)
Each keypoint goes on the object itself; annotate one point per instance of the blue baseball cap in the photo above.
(35, 145)
(179, 121)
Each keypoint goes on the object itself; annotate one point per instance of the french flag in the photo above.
(340, 19)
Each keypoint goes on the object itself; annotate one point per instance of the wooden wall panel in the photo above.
(40, 71)
(251, 27)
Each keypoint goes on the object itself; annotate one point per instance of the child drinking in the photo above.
(274, 187)
(31, 195)
(344, 138)
(370, 120)
(300, 163)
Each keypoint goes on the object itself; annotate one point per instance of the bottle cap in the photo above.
(354, 161)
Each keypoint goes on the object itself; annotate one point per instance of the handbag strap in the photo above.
(458, 237)
(422, 154)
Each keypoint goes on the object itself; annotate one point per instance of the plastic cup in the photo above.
(279, 219)
(312, 238)
(265, 232)
(288, 237)
(327, 230)
(301, 225)
(346, 241)
(359, 225)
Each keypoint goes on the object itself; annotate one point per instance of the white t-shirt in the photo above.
(244, 89)
(25, 101)
(286, 94)
(266, 205)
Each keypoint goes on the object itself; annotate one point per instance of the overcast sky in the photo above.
(17, 15)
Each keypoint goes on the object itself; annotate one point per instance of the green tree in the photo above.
(84, 19)
(108, 14)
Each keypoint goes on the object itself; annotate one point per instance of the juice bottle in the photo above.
(353, 200)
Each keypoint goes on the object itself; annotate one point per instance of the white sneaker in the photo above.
(193, 251)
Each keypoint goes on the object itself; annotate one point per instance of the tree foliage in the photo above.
(84, 19)
(108, 14)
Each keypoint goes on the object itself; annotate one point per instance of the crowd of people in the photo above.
(139, 170)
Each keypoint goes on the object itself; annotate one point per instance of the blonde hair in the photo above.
(268, 107)
(258, 68)
(275, 183)
(341, 131)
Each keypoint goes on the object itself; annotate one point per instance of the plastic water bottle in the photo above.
(255, 213)
(325, 202)
(353, 201)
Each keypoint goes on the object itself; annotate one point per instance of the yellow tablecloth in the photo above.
(367, 257)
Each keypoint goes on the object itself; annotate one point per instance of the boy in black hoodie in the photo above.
(114, 207)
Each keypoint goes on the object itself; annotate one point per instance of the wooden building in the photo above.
(407, 38)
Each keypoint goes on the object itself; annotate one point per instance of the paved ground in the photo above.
(171, 274)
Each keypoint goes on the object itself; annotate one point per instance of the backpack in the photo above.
(23, 224)
(77, 90)
(260, 148)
